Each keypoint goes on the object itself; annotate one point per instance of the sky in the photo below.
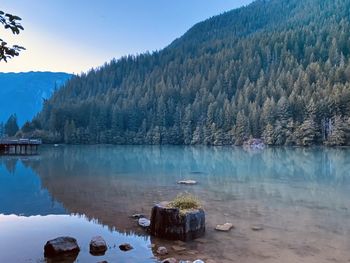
(75, 35)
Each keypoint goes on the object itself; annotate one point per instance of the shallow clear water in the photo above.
(299, 196)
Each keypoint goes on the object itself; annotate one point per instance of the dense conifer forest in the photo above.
(277, 70)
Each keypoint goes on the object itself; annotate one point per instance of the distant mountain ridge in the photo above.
(23, 93)
(276, 69)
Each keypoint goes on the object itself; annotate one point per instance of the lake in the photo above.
(298, 196)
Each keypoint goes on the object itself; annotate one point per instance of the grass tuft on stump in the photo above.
(185, 203)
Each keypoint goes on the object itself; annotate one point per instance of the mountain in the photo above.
(275, 69)
(23, 93)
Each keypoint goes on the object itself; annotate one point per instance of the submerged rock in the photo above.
(178, 248)
(225, 227)
(144, 222)
(162, 251)
(125, 247)
(61, 246)
(98, 246)
(187, 182)
(257, 228)
(169, 260)
(169, 223)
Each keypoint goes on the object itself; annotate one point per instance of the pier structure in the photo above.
(19, 146)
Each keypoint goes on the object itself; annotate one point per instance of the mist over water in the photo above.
(299, 195)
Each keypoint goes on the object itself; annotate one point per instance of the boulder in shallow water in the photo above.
(224, 228)
(162, 251)
(144, 222)
(187, 182)
(98, 246)
(257, 228)
(169, 223)
(61, 246)
(125, 247)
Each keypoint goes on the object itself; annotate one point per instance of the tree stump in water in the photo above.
(170, 223)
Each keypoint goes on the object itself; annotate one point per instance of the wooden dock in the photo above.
(19, 146)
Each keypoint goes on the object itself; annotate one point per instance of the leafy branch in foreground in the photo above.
(10, 22)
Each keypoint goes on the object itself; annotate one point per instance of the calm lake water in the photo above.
(299, 196)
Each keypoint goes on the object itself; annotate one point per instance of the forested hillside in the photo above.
(276, 69)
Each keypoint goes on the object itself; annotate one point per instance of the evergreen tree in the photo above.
(338, 134)
(240, 129)
(11, 126)
(269, 135)
(28, 127)
(306, 134)
(69, 132)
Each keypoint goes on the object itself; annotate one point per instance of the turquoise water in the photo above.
(299, 196)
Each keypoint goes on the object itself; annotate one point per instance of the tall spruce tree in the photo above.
(11, 126)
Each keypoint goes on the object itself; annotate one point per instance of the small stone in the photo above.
(257, 228)
(187, 182)
(225, 227)
(178, 248)
(198, 261)
(98, 246)
(125, 247)
(162, 251)
(144, 222)
(169, 260)
(61, 246)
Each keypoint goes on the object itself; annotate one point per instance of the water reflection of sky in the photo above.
(31, 233)
(29, 216)
(21, 192)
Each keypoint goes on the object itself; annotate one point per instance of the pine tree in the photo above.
(197, 136)
(283, 111)
(269, 135)
(290, 135)
(306, 134)
(240, 129)
(337, 136)
(69, 132)
(11, 126)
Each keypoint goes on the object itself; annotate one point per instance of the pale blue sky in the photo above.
(75, 35)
